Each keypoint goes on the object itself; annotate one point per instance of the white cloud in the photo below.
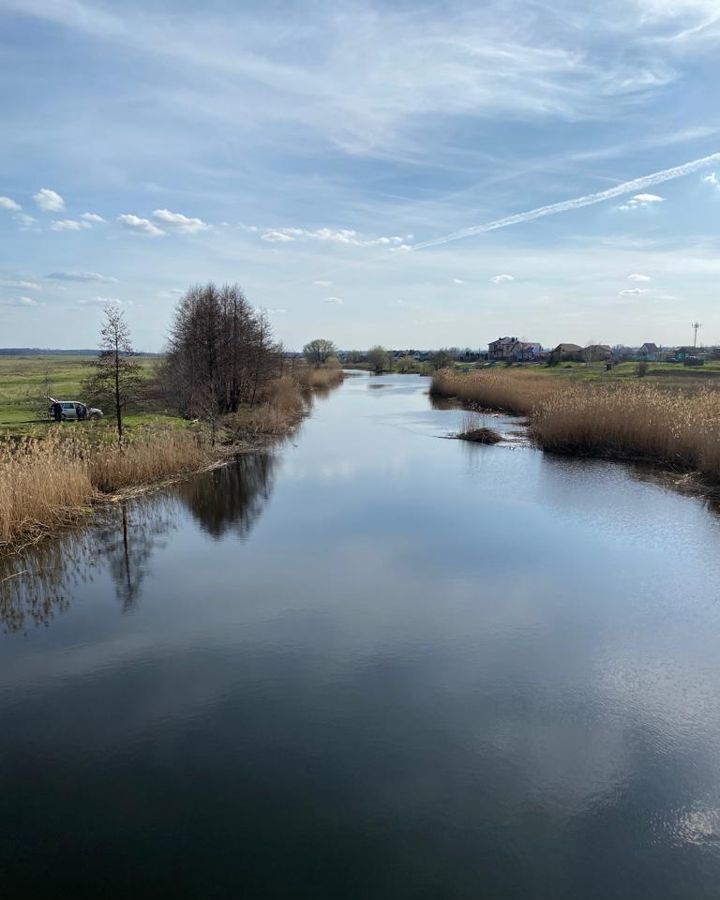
(139, 226)
(500, 279)
(713, 180)
(458, 281)
(21, 285)
(346, 236)
(92, 217)
(7, 203)
(26, 222)
(631, 291)
(320, 283)
(336, 300)
(22, 301)
(637, 277)
(178, 222)
(48, 201)
(275, 237)
(640, 201)
(69, 225)
(81, 277)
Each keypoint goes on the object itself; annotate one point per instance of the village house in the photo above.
(502, 348)
(565, 352)
(649, 352)
(596, 353)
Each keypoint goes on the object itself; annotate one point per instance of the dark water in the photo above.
(375, 665)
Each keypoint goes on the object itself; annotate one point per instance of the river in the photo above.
(374, 664)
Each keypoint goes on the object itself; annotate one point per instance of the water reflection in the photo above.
(36, 587)
(127, 539)
(231, 498)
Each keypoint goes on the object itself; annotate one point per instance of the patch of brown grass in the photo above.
(640, 421)
(514, 391)
(321, 378)
(49, 482)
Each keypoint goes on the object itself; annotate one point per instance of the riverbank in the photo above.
(632, 421)
(54, 479)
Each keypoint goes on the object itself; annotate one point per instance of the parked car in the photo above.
(74, 410)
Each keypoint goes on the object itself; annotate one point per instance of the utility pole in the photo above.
(696, 326)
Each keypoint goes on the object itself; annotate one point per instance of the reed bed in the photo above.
(514, 391)
(321, 378)
(677, 429)
(50, 482)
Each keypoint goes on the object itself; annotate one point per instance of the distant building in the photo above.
(502, 348)
(596, 353)
(649, 352)
(566, 352)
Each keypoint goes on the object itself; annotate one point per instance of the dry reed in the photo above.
(638, 421)
(514, 391)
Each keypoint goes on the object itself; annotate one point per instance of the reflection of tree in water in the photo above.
(37, 585)
(129, 534)
(231, 498)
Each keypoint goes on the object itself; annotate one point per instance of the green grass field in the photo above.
(25, 382)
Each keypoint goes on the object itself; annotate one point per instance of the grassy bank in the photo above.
(51, 477)
(632, 420)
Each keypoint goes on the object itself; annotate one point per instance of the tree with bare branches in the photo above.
(116, 380)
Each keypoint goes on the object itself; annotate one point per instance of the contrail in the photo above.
(637, 184)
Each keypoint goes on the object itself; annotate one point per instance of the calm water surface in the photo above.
(377, 664)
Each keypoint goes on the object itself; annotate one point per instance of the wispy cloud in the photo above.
(21, 285)
(321, 283)
(627, 187)
(713, 180)
(636, 276)
(139, 226)
(346, 236)
(22, 302)
(48, 200)
(627, 292)
(92, 217)
(336, 300)
(501, 279)
(69, 225)
(81, 277)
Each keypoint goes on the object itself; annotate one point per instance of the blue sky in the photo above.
(320, 154)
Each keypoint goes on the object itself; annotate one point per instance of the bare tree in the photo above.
(319, 351)
(221, 352)
(116, 379)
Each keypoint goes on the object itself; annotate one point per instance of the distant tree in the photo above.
(379, 359)
(319, 351)
(407, 364)
(641, 369)
(116, 379)
(221, 352)
(441, 359)
(355, 356)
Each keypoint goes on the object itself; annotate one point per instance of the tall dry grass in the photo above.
(638, 421)
(49, 482)
(514, 391)
(320, 378)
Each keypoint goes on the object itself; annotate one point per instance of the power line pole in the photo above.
(696, 326)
